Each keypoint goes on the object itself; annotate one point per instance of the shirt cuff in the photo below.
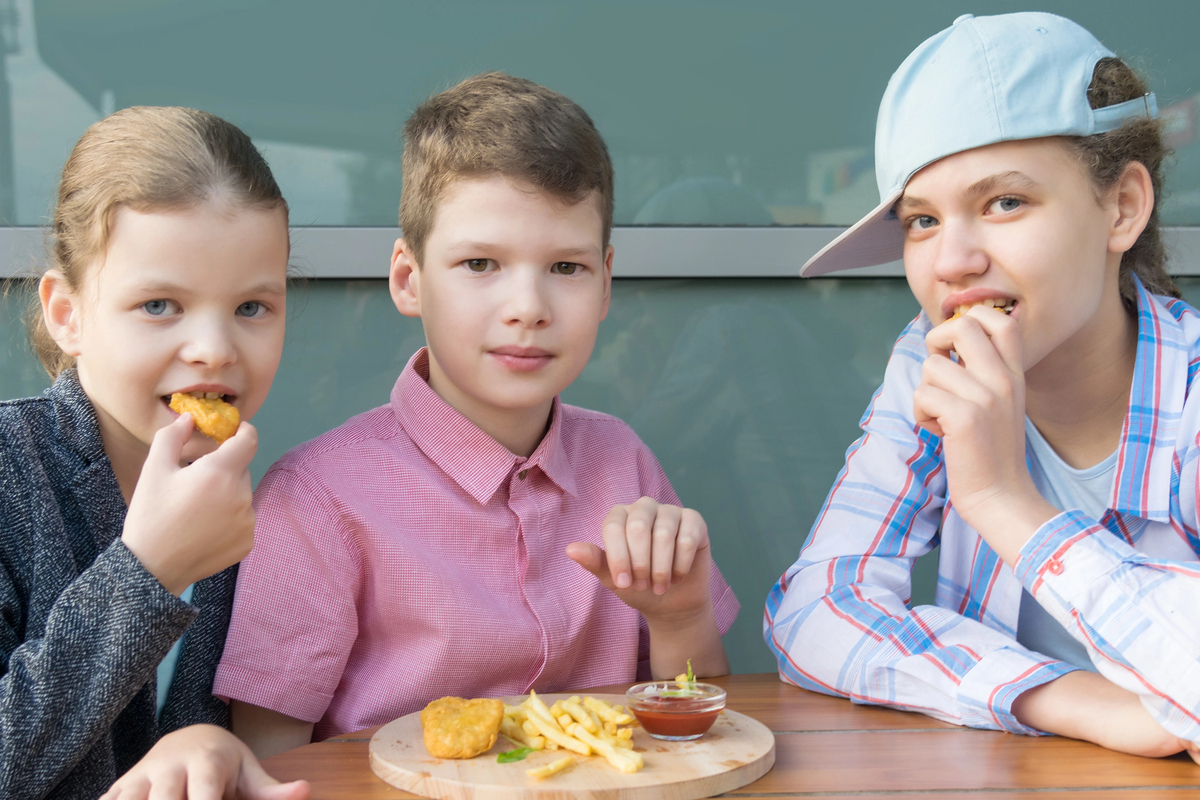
(1065, 555)
(989, 689)
(269, 690)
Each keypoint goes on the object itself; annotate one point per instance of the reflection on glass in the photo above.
(754, 112)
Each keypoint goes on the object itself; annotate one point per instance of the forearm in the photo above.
(102, 641)
(268, 732)
(1084, 705)
(674, 641)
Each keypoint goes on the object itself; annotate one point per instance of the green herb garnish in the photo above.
(510, 756)
(691, 676)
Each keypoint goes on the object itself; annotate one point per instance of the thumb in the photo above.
(238, 450)
(591, 558)
(166, 449)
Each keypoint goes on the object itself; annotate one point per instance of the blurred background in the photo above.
(749, 123)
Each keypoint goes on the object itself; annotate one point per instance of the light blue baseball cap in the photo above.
(982, 80)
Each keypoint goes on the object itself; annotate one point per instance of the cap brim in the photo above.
(875, 239)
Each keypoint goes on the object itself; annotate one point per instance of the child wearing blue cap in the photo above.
(1036, 419)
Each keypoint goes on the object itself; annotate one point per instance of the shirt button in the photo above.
(522, 474)
(1055, 566)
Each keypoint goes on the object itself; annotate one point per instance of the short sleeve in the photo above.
(295, 616)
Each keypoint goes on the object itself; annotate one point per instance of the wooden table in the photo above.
(827, 747)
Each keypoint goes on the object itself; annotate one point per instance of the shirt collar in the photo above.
(77, 425)
(1147, 449)
(470, 457)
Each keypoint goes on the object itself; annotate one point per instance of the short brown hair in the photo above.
(148, 159)
(1106, 155)
(495, 124)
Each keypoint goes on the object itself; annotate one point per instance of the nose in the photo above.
(209, 343)
(527, 301)
(959, 252)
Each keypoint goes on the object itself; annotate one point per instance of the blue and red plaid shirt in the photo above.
(1127, 585)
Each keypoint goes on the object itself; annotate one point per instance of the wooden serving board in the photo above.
(737, 750)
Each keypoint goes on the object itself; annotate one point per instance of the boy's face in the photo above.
(1016, 222)
(511, 290)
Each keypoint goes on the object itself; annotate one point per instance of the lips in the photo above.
(209, 392)
(521, 359)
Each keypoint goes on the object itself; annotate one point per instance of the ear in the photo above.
(61, 309)
(1133, 202)
(608, 258)
(404, 280)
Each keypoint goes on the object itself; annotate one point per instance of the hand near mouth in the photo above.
(977, 408)
(187, 523)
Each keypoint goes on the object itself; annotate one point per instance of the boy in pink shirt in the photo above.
(475, 536)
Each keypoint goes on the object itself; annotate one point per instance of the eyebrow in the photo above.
(1008, 180)
(459, 249)
(165, 287)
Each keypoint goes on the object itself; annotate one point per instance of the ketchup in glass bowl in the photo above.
(676, 711)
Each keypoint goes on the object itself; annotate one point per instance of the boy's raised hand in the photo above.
(186, 523)
(202, 762)
(655, 558)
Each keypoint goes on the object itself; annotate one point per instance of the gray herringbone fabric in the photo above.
(82, 624)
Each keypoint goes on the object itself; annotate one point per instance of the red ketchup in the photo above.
(676, 716)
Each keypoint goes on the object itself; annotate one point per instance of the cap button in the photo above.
(963, 18)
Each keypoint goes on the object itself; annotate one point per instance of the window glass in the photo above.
(754, 112)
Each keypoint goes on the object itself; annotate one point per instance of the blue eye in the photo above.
(155, 308)
(924, 222)
(249, 309)
(1004, 205)
(565, 268)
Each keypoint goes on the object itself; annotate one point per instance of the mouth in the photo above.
(200, 395)
(522, 359)
(1001, 304)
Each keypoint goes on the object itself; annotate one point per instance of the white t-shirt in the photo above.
(1088, 490)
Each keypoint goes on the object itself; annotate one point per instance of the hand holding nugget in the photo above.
(211, 414)
(977, 407)
(656, 559)
(188, 522)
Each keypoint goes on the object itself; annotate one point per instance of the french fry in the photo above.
(592, 715)
(537, 707)
(551, 768)
(515, 732)
(529, 728)
(602, 709)
(580, 714)
(625, 762)
(611, 727)
(625, 733)
(553, 734)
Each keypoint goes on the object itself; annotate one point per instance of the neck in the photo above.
(126, 453)
(1078, 395)
(518, 429)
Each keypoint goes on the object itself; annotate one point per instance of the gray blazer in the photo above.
(83, 625)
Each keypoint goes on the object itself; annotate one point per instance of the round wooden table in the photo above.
(827, 747)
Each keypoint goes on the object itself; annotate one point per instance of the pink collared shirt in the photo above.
(406, 555)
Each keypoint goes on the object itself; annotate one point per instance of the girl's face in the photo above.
(189, 300)
(1018, 223)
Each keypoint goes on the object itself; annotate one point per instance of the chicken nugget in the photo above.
(212, 416)
(458, 728)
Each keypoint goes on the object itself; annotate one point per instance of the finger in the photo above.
(166, 449)
(296, 790)
(129, 788)
(255, 784)
(209, 781)
(662, 557)
(639, 539)
(591, 558)
(693, 537)
(942, 373)
(616, 550)
(1004, 334)
(169, 784)
(940, 406)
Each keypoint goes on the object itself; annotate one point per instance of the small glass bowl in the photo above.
(668, 711)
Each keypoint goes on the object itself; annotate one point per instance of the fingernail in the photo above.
(660, 589)
(641, 586)
(623, 580)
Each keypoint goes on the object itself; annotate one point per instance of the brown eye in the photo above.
(566, 268)
(478, 264)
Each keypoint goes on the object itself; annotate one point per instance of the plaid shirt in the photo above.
(1125, 585)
